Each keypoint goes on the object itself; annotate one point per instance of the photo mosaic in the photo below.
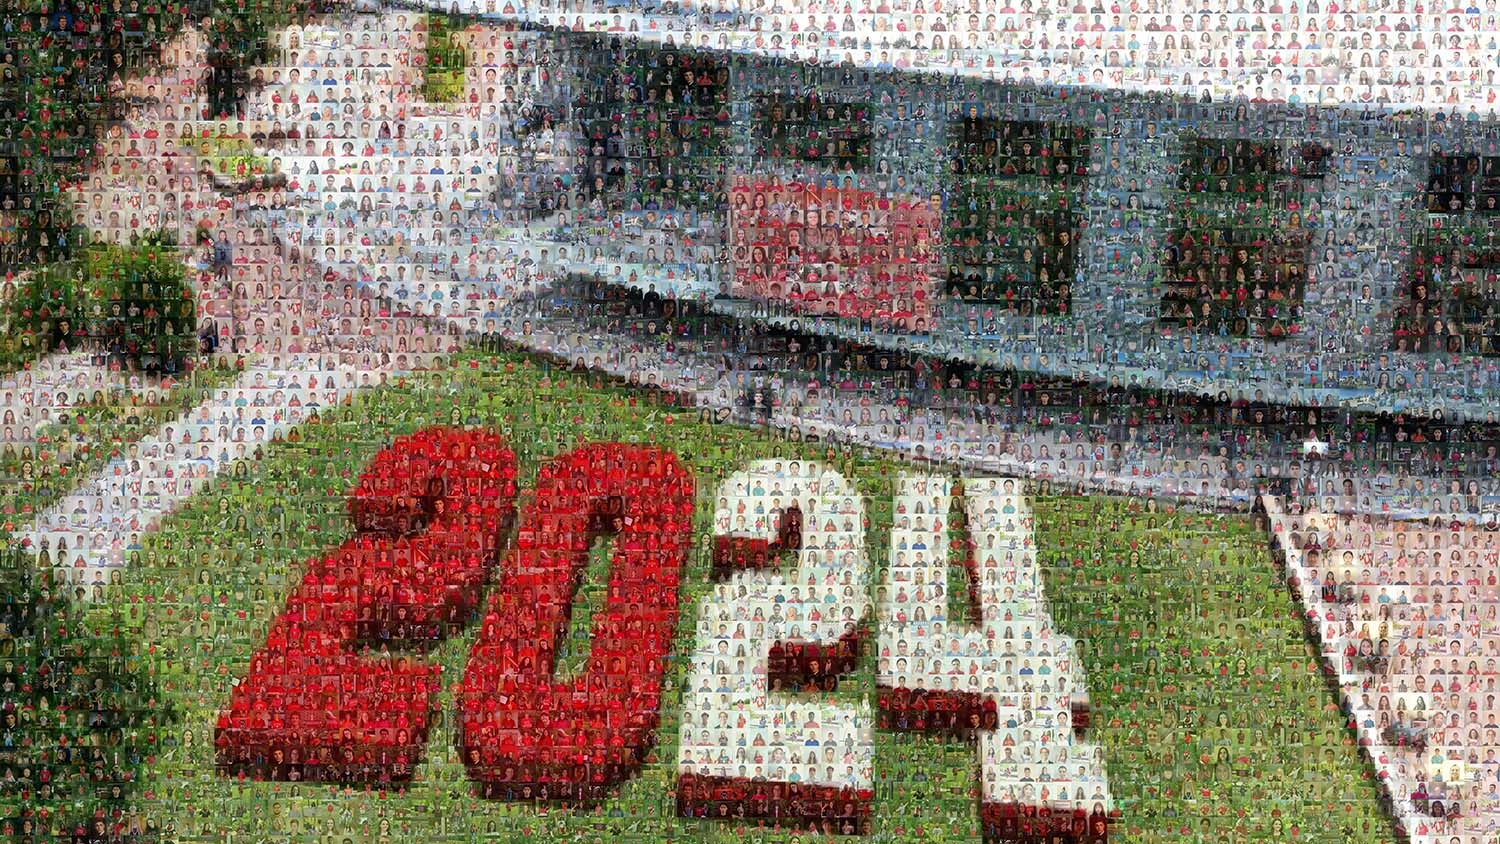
(774, 421)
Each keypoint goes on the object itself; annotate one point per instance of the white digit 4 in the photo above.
(748, 747)
(1010, 678)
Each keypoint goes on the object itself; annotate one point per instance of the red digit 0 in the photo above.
(527, 735)
(318, 703)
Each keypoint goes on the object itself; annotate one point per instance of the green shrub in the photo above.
(47, 312)
(79, 716)
(134, 303)
(444, 87)
(141, 308)
(443, 81)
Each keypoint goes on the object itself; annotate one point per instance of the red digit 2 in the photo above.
(340, 691)
(525, 733)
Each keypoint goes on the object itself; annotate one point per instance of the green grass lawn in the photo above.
(1190, 642)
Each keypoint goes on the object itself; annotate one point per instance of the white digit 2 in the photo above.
(748, 748)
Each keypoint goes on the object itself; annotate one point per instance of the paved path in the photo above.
(1368, 587)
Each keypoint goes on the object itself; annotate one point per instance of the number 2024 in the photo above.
(341, 691)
